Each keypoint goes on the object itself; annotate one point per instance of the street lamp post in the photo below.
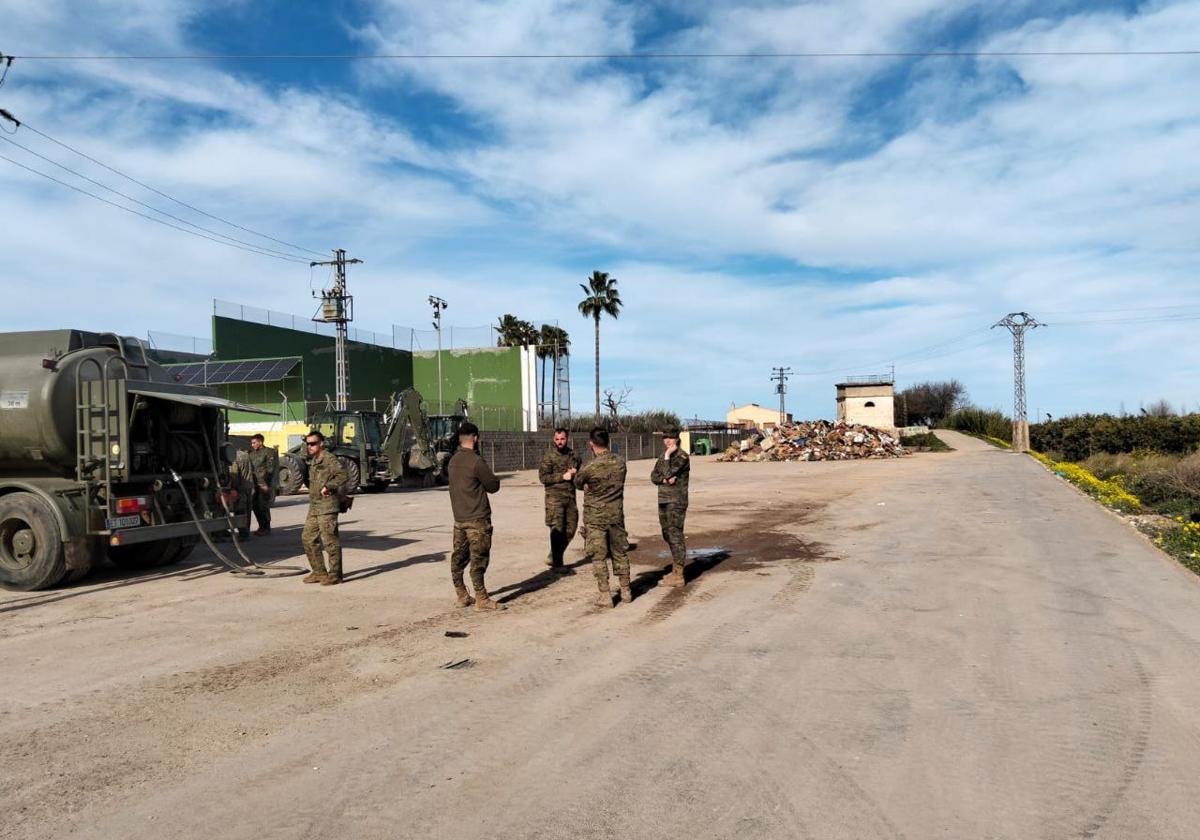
(438, 305)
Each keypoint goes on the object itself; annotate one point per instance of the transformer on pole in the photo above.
(779, 376)
(337, 308)
(1017, 323)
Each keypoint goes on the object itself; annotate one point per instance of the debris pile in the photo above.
(816, 441)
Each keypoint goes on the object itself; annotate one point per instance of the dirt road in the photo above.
(951, 645)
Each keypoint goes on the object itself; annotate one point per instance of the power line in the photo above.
(261, 248)
(158, 192)
(145, 216)
(635, 56)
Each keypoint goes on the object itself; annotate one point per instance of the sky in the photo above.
(838, 216)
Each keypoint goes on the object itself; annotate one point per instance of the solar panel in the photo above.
(226, 373)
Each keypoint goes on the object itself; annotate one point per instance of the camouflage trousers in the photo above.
(562, 518)
(472, 548)
(321, 530)
(260, 503)
(670, 519)
(603, 542)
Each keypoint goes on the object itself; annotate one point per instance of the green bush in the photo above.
(980, 421)
(928, 441)
(642, 421)
(1167, 484)
(1078, 438)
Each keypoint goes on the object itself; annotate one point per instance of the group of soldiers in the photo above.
(561, 472)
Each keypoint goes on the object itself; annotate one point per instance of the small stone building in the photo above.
(867, 400)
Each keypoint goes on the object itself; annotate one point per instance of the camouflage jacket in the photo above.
(325, 470)
(554, 464)
(264, 465)
(678, 466)
(604, 493)
(240, 481)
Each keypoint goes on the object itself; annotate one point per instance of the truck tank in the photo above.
(39, 374)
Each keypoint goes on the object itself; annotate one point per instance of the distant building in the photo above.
(753, 415)
(868, 401)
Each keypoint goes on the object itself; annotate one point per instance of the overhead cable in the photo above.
(150, 207)
(629, 56)
(49, 177)
(158, 192)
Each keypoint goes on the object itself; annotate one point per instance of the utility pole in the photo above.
(1017, 323)
(337, 307)
(779, 375)
(438, 305)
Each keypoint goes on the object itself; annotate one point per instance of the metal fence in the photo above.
(158, 340)
(400, 338)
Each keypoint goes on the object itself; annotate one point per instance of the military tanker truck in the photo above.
(101, 453)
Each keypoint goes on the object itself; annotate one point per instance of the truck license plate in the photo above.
(131, 521)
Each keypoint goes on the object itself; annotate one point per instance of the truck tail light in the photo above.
(135, 504)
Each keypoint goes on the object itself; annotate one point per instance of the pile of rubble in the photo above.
(816, 441)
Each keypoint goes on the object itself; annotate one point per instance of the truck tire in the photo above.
(31, 549)
(353, 474)
(291, 475)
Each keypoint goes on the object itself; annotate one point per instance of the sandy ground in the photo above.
(950, 645)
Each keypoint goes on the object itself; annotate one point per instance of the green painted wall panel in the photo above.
(488, 379)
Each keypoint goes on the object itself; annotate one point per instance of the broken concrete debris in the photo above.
(819, 440)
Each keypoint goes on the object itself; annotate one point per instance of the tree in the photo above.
(602, 298)
(514, 332)
(615, 402)
(929, 403)
(553, 344)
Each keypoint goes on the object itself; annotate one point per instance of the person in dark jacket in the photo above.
(471, 480)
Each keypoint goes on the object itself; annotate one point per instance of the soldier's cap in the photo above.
(671, 433)
(468, 428)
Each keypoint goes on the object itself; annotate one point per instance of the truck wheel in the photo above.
(31, 550)
(291, 475)
(353, 475)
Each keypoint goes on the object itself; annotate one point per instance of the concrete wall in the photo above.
(868, 405)
(509, 451)
(375, 372)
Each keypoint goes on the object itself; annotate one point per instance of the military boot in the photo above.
(313, 577)
(463, 596)
(626, 591)
(484, 604)
(675, 578)
(331, 580)
(604, 601)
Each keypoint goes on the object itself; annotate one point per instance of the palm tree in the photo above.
(514, 332)
(553, 343)
(602, 299)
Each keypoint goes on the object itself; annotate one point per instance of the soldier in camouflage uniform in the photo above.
(471, 480)
(603, 485)
(326, 487)
(241, 483)
(557, 473)
(264, 466)
(671, 475)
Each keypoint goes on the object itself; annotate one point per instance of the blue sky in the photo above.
(835, 215)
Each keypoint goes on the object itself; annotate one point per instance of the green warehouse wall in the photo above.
(375, 372)
(489, 379)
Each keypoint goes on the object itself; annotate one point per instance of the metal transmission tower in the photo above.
(1017, 323)
(337, 307)
(779, 376)
(438, 305)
